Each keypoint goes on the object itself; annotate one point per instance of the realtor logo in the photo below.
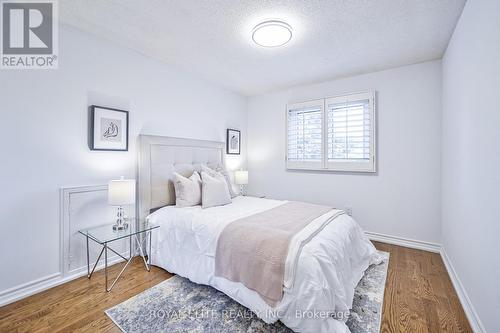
(29, 34)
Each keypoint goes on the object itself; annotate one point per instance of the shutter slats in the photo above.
(348, 129)
(305, 134)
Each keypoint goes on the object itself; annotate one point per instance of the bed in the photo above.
(326, 269)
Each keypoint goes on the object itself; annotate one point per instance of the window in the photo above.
(336, 134)
(305, 139)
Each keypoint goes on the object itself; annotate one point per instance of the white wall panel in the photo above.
(86, 207)
(471, 160)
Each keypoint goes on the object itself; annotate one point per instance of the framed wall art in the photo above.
(233, 142)
(108, 129)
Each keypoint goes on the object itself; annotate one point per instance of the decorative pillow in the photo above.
(212, 170)
(187, 190)
(214, 191)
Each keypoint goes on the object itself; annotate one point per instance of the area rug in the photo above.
(178, 305)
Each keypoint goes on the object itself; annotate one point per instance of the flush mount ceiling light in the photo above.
(272, 33)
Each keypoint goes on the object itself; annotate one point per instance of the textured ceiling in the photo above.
(332, 38)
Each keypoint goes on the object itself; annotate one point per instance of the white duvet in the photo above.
(327, 269)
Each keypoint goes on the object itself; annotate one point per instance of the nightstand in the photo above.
(103, 235)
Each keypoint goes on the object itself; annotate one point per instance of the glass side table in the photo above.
(104, 234)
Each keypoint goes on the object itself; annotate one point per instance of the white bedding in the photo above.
(327, 269)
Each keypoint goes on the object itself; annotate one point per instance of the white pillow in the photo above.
(187, 190)
(214, 191)
(216, 170)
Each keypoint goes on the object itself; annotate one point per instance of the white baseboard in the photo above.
(470, 312)
(36, 286)
(406, 242)
(26, 289)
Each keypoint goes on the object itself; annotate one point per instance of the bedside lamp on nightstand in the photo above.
(241, 178)
(121, 192)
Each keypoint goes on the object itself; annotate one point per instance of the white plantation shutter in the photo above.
(336, 134)
(351, 132)
(305, 134)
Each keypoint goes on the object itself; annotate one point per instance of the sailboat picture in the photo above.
(108, 129)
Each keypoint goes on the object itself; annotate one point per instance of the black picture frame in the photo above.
(228, 138)
(91, 127)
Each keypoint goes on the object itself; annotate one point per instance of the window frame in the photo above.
(341, 166)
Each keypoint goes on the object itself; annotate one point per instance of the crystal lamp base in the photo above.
(120, 220)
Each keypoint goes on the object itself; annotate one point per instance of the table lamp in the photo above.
(121, 192)
(241, 178)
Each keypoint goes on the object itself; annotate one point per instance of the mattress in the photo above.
(328, 268)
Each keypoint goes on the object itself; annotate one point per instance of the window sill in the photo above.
(339, 170)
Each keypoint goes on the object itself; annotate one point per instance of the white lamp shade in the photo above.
(241, 177)
(121, 192)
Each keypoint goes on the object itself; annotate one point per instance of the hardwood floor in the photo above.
(419, 297)
(79, 305)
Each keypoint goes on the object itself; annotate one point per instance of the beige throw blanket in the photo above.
(254, 249)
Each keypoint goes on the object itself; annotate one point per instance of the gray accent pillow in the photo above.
(214, 191)
(220, 169)
(187, 190)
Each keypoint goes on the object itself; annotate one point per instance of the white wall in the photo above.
(403, 198)
(471, 156)
(43, 136)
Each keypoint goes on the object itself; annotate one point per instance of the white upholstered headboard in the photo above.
(160, 157)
